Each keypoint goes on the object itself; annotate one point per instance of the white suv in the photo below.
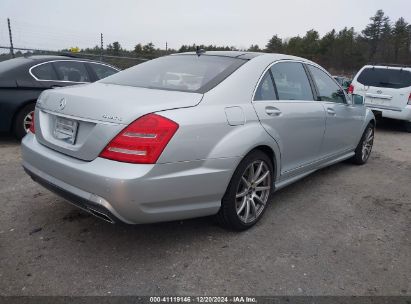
(386, 91)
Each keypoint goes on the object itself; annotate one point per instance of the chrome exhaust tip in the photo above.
(101, 215)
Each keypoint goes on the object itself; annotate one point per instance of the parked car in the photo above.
(139, 147)
(387, 91)
(23, 79)
(343, 81)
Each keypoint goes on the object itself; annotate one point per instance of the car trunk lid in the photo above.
(80, 121)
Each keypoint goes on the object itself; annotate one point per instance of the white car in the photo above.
(386, 90)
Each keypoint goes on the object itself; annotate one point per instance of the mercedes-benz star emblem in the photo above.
(62, 104)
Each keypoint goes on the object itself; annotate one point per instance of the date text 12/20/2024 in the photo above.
(203, 299)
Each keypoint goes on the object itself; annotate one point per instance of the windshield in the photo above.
(187, 73)
(386, 78)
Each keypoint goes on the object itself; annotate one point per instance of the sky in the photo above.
(56, 24)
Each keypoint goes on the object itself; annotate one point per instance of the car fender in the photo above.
(205, 133)
(369, 116)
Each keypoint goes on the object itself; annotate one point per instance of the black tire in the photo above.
(19, 128)
(227, 216)
(407, 126)
(359, 158)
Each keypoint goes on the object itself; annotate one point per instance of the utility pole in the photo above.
(11, 38)
(166, 47)
(101, 46)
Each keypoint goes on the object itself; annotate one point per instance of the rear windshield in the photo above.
(187, 73)
(386, 78)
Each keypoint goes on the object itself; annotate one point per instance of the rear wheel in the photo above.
(364, 148)
(23, 120)
(407, 126)
(248, 193)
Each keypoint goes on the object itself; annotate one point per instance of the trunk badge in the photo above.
(379, 92)
(62, 104)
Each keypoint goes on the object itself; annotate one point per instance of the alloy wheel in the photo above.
(253, 191)
(27, 121)
(367, 144)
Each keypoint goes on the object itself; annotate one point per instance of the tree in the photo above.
(374, 30)
(294, 46)
(310, 44)
(274, 45)
(401, 36)
(116, 48)
(138, 49)
(327, 48)
(254, 48)
(149, 49)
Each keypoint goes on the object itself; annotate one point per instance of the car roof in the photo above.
(388, 67)
(248, 55)
(41, 58)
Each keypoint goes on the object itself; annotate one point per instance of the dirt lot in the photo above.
(344, 230)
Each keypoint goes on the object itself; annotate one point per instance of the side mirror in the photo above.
(354, 99)
(357, 99)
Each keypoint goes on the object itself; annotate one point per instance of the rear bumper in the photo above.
(131, 193)
(400, 114)
(92, 204)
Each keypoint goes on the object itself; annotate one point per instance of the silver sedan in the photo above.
(194, 134)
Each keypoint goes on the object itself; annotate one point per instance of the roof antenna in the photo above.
(199, 51)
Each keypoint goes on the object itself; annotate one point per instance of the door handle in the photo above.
(272, 111)
(331, 111)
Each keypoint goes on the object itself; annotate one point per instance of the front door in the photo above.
(343, 121)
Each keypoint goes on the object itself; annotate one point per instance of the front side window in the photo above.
(328, 90)
(44, 72)
(265, 90)
(385, 78)
(71, 71)
(186, 73)
(291, 81)
(102, 71)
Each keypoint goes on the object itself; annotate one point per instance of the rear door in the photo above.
(343, 121)
(384, 88)
(285, 105)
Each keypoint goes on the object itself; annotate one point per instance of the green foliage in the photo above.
(254, 48)
(274, 45)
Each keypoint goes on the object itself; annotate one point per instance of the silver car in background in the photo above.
(194, 134)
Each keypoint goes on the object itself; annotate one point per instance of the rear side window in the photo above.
(265, 90)
(328, 90)
(102, 71)
(187, 73)
(44, 72)
(291, 81)
(71, 71)
(386, 78)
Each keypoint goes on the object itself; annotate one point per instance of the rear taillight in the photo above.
(142, 141)
(351, 89)
(31, 128)
(409, 99)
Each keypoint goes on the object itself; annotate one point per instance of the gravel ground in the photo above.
(345, 230)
